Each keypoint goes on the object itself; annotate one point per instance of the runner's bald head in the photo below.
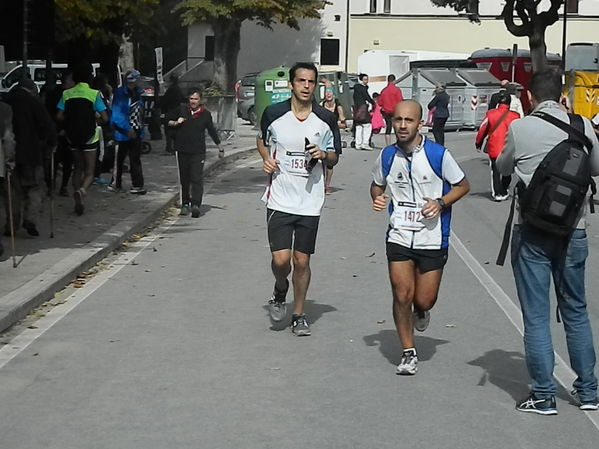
(409, 105)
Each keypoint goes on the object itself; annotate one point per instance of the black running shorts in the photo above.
(425, 259)
(287, 231)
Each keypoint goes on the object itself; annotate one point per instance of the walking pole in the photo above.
(179, 179)
(52, 194)
(10, 221)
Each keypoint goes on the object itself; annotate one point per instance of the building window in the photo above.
(572, 6)
(372, 6)
(329, 52)
(209, 48)
(387, 7)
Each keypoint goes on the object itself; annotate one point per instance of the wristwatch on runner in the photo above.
(441, 203)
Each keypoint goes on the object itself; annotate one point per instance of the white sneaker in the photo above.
(358, 147)
(367, 148)
(408, 364)
(421, 319)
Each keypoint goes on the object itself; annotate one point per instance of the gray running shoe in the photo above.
(195, 211)
(300, 326)
(184, 210)
(277, 308)
(408, 364)
(589, 405)
(421, 319)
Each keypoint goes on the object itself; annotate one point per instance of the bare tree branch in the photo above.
(508, 18)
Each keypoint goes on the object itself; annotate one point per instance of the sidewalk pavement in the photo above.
(46, 265)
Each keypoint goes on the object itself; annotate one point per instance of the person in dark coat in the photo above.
(190, 123)
(440, 103)
(362, 126)
(7, 146)
(35, 135)
(171, 100)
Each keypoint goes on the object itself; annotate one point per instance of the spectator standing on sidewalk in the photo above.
(387, 100)
(77, 109)
(171, 101)
(127, 122)
(494, 127)
(35, 133)
(190, 123)
(7, 147)
(440, 104)
(539, 256)
(361, 117)
(330, 103)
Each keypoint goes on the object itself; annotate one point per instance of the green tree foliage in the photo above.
(226, 17)
(101, 21)
(532, 22)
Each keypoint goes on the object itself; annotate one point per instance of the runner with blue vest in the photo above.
(424, 181)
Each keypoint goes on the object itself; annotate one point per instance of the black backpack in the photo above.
(552, 201)
(80, 121)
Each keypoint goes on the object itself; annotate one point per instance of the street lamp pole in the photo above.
(564, 35)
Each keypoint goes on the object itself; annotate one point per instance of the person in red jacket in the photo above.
(389, 97)
(494, 127)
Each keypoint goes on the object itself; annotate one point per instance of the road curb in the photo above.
(20, 302)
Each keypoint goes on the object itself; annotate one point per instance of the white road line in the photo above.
(562, 371)
(22, 341)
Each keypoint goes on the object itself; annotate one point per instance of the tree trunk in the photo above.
(227, 34)
(538, 48)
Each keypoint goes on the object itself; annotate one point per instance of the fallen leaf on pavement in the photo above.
(380, 321)
(450, 325)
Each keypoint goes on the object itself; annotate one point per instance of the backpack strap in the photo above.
(505, 243)
(574, 129)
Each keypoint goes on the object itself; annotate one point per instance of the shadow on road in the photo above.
(504, 369)
(388, 343)
(314, 311)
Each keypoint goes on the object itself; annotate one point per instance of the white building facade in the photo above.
(348, 28)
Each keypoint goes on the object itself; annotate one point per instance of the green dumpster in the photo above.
(272, 86)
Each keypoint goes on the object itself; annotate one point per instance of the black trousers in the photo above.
(439, 130)
(131, 148)
(191, 173)
(499, 184)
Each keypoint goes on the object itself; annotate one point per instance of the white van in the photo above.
(37, 72)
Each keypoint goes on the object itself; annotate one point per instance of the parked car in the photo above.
(36, 72)
(245, 98)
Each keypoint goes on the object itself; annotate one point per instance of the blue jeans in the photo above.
(535, 260)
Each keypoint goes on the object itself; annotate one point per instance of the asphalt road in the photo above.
(170, 346)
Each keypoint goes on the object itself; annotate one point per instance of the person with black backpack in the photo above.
(77, 110)
(554, 154)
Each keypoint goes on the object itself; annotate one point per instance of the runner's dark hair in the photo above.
(82, 72)
(302, 65)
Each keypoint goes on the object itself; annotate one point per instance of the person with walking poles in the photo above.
(35, 136)
(553, 154)
(127, 122)
(7, 148)
(361, 117)
(190, 123)
(298, 140)
(424, 181)
(78, 109)
(494, 127)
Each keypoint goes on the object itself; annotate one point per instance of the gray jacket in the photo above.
(531, 138)
(7, 138)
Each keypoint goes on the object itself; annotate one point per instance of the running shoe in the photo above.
(421, 319)
(79, 207)
(100, 181)
(113, 188)
(540, 406)
(277, 308)
(366, 148)
(184, 209)
(137, 191)
(587, 405)
(195, 211)
(300, 326)
(408, 364)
